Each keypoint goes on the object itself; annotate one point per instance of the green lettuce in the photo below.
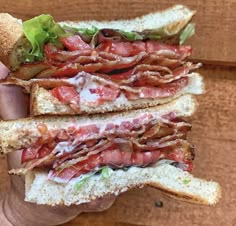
(105, 172)
(79, 184)
(40, 30)
(186, 181)
(90, 35)
(131, 36)
(188, 31)
(86, 31)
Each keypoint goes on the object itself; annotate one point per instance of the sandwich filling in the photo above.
(111, 64)
(78, 150)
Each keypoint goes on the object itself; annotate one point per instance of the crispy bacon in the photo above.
(143, 75)
(29, 154)
(116, 158)
(56, 55)
(166, 90)
(74, 43)
(116, 150)
(126, 49)
(105, 93)
(68, 63)
(144, 81)
(95, 90)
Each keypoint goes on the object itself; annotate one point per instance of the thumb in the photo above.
(3, 71)
(14, 103)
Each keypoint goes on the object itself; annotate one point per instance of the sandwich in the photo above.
(96, 67)
(75, 159)
(136, 73)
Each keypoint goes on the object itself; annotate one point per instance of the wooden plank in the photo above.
(214, 41)
(214, 135)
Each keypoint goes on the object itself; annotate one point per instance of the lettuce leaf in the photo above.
(188, 31)
(131, 36)
(40, 30)
(105, 172)
(88, 32)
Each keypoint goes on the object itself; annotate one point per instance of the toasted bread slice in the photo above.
(168, 179)
(16, 134)
(14, 45)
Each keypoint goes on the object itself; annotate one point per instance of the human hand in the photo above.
(14, 104)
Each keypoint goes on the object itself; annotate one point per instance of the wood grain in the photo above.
(216, 20)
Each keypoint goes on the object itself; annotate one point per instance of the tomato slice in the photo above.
(66, 94)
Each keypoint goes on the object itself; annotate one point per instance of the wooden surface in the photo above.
(214, 124)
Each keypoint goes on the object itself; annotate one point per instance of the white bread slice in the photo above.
(44, 103)
(172, 20)
(13, 42)
(168, 179)
(15, 134)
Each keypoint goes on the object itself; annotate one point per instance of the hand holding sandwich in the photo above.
(14, 211)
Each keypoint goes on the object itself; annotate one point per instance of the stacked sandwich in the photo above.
(134, 74)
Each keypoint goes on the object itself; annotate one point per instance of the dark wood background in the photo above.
(214, 124)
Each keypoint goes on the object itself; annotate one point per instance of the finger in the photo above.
(14, 162)
(3, 71)
(99, 204)
(13, 102)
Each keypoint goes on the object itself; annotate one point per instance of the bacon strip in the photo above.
(164, 137)
(116, 158)
(106, 89)
(61, 63)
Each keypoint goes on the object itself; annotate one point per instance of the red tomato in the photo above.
(66, 94)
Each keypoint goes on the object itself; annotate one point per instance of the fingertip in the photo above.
(3, 71)
(100, 204)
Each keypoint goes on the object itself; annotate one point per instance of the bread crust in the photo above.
(10, 34)
(182, 196)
